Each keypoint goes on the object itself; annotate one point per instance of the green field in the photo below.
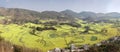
(61, 37)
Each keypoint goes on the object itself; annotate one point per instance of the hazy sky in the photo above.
(59, 5)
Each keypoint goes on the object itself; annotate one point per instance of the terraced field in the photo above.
(30, 35)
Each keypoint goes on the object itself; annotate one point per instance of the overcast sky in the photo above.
(59, 5)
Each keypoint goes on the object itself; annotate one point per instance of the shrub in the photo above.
(93, 38)
(53, 35)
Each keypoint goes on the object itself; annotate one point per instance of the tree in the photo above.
(93, 38)
(33, 32)
(87, 28)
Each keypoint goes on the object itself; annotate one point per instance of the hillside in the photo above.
(92, 16)
(50, 29)
(21, 16)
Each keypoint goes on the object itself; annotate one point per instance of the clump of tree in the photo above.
(35, 29)
(93, 38)
(104, 31)
(50, 23)
(73, 24)
(87, 28)
(45, 28)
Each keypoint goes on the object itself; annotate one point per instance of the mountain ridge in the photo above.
(18, 15)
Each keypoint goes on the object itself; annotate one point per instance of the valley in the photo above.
(49, 29)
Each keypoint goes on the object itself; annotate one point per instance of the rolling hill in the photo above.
(50, 29)
(20, 16)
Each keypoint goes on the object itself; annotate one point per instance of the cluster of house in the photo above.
(86, 47)
(114, 39)
(72, 48)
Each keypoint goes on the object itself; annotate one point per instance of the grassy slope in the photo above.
(18, 34)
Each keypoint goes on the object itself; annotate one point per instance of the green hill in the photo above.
(50, 29)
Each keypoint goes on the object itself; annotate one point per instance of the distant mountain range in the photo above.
(92, 15)
(18, 15)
